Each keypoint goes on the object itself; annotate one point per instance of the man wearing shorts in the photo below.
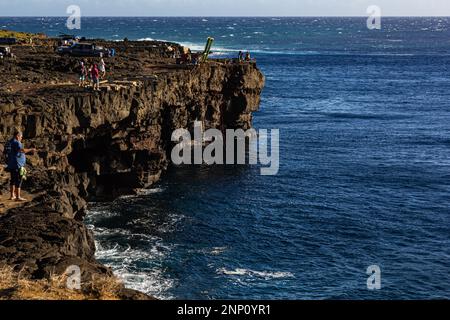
(16, 161)
(95, 80)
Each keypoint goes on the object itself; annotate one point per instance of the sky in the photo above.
(225, 7)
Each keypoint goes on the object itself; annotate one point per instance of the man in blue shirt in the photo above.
(16, 161)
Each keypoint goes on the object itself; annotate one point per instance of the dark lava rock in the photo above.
(41, 244)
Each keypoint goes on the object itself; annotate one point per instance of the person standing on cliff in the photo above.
(16, 163)
(82, 74)
(95, 80)
(247, 57)
(102, 68)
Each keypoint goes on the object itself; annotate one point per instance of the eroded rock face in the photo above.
(109, 143)
(40, 243)
(101, 145)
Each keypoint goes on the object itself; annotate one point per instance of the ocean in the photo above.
(364, 179)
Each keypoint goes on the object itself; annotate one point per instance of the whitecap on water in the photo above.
(214, 54)
(146, 39)
(215, 251)
(143, 192)
(252, 273)
(201, 47)
(218, 250)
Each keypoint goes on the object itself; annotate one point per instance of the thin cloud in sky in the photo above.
(225, 7)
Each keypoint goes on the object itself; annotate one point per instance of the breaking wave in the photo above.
(251, 273)
(125, 262)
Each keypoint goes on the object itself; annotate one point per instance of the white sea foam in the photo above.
(218, 250)
(101, 213)
(150, 191)
(122, 256)
(152, 39)
(118, 232)
(215, 251)
(142, 192)
(150, 280)
(139, 269)
(146, 39)
(216, 54)
(251, 273)
(224, 51)
(201, 47)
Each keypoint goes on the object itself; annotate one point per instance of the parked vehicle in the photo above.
(63, 36)
(8, 41)
(84, 50)
(5, 52)
(67, 39)
(64, 49)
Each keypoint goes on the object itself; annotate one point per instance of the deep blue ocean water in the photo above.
(364, 178)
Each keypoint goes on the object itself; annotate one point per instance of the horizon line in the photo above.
(243, 16)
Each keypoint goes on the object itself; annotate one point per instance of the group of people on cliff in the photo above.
(188, 57)
(92, 74)
(244, 56)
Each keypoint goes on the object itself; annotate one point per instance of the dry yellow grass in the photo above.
(19, 35)
(14, 287)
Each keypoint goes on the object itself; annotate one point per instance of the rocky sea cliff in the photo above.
(101, 145)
